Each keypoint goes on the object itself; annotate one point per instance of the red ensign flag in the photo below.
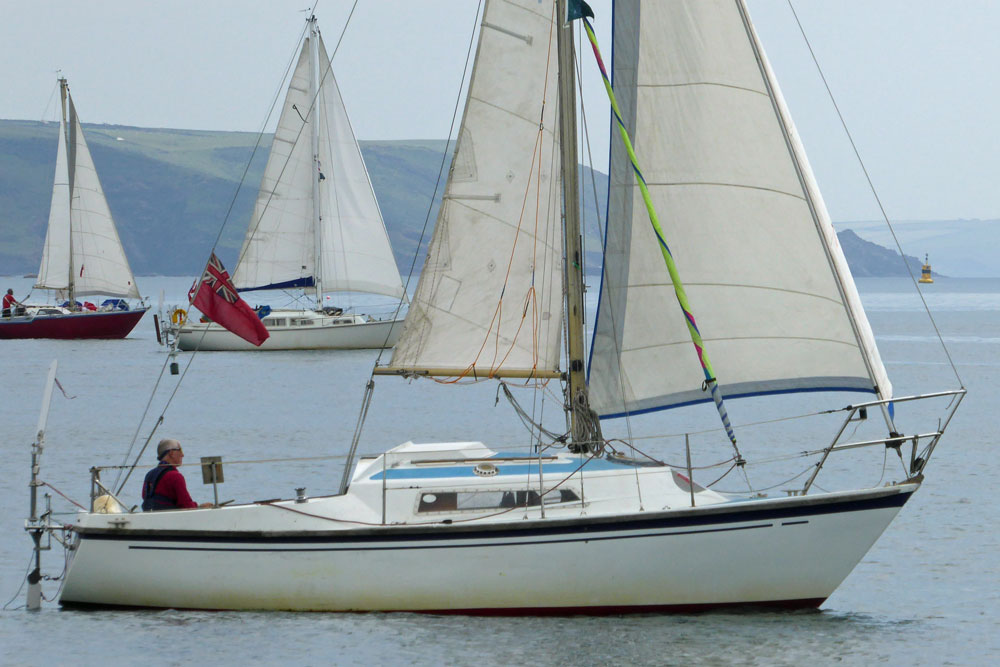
(218, 300)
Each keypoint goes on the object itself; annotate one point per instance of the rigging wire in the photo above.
(24, 579)
(51, 96)
(878, 200)
(198, 281)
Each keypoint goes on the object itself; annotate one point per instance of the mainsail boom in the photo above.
(473, 373)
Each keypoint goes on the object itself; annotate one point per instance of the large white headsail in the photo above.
(99, 263)
(764, 274)
(356, 253)
(279, 247)
(490, 291)
(54, 270)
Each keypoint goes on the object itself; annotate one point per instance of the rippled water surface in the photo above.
(927, 593)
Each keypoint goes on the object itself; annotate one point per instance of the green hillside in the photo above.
(171, 190)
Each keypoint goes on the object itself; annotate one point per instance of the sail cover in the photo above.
(764, 273)
(85, 242)
(280, 247)
(490, 291)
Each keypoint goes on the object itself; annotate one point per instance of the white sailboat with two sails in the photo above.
(82, 255)
(578, 522)
(316, 227)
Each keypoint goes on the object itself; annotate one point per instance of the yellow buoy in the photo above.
(925, 272)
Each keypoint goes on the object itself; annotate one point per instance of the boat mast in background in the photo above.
(71, 149)
(317, 174)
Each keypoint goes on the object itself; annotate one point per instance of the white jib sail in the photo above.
(99, 263)
(54, 270)
(356, 254)
(491, 288)
(765, 277)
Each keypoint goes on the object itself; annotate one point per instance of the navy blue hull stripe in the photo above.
(490, 544)
(580, 528)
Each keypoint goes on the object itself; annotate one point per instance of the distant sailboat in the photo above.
(925, 271)
(82, 256)
(316, 225)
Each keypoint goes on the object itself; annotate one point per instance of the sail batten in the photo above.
(745, 223)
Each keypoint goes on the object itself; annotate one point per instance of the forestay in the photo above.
(490, 292)
(280, 248)
(764, 273)
(82, 239)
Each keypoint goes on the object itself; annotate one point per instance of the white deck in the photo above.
(421, 529)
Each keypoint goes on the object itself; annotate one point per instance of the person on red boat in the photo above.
(9, 302)
(164, 487)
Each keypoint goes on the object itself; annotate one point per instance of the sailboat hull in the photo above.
(321, 336)
(114, 324)
(788, 552)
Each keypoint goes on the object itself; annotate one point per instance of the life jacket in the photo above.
(152, 501)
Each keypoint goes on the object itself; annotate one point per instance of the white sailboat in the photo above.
(82, 256)
(316, 225)
(566, 524)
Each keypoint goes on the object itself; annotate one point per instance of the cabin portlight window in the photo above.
(458, 501)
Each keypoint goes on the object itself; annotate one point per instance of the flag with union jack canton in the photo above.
(216, 297)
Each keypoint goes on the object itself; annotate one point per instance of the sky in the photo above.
(916, 80)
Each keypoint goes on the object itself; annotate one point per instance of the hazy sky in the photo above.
(916, 79)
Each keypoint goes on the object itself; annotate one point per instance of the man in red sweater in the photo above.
(9, 302)
(164, 487)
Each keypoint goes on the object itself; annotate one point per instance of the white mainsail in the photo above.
(55, 268)
(490, 292)
(82, 243)
(280, 246)
(743, 218)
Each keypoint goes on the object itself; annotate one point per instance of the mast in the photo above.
(585, 428)
(314, 116)
(70, 164)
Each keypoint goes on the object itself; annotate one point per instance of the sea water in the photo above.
(928, 592)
